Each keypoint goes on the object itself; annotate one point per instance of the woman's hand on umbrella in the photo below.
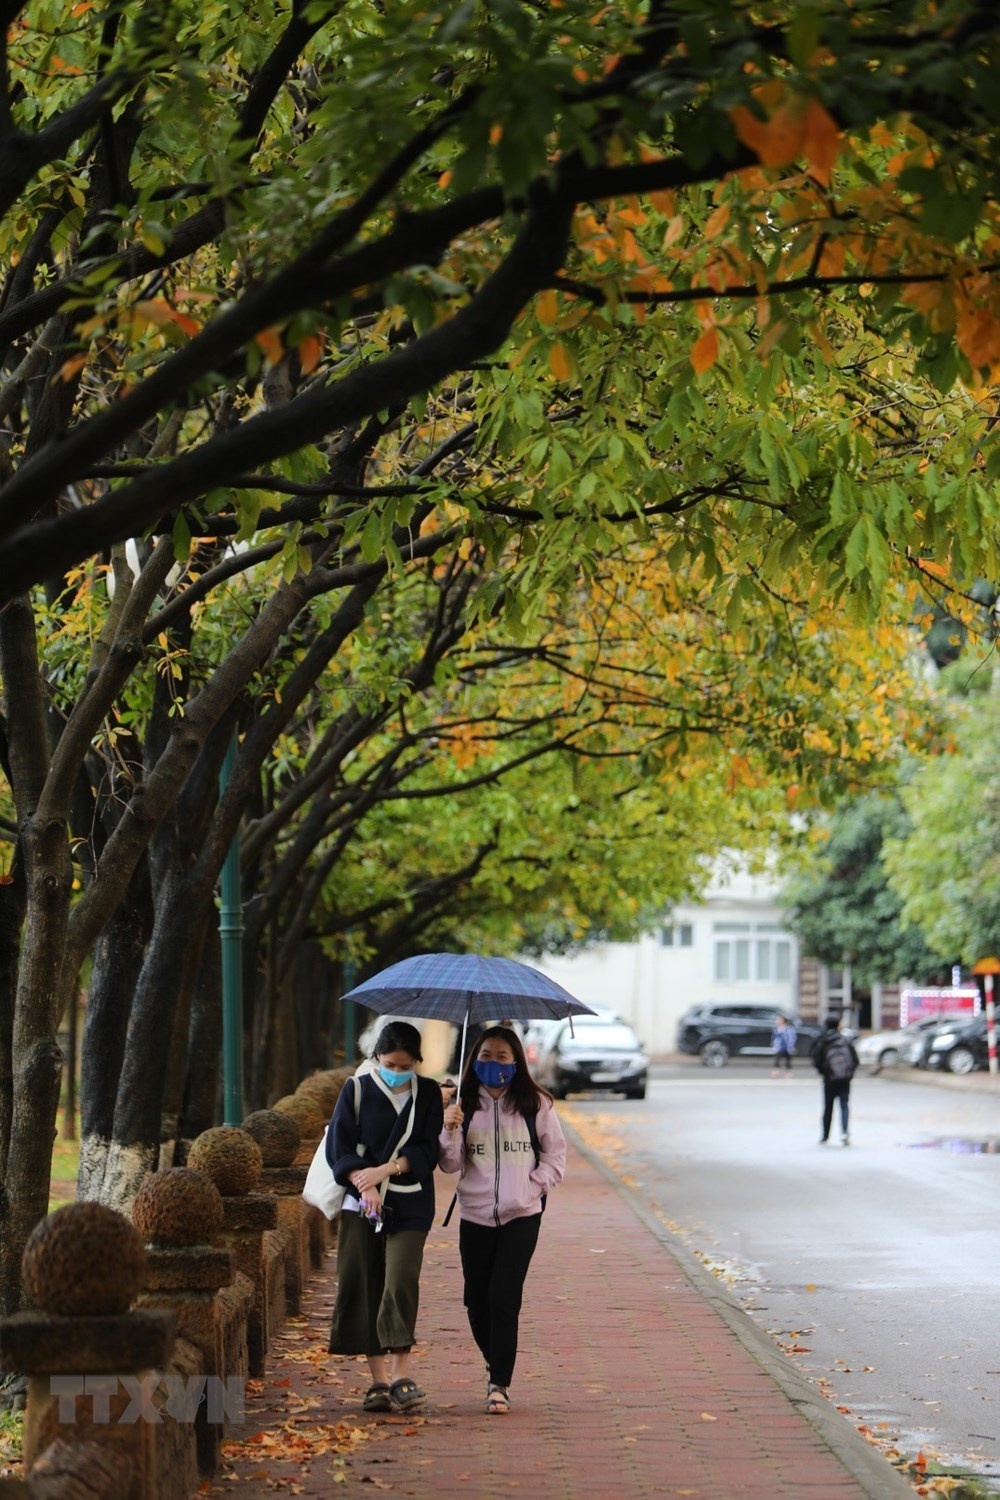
(453, 1116)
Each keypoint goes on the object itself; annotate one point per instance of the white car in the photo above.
(885, 1049)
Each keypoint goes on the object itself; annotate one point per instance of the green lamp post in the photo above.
(231, 936)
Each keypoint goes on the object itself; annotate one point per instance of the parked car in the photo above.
(535, 1035)
(958, 1048)
(599, 1052)
(884, 1049)
(721, 1031)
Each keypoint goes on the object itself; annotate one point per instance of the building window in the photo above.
(757, 957)
(681, 936)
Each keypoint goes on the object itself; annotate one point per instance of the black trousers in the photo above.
(833, 1089)
(495, 1263)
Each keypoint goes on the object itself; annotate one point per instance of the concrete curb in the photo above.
(968, 1083)
(873, 1473)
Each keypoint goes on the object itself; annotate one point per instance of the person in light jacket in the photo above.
(504, 1137)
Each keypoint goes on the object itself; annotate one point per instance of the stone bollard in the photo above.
(277, 1135)
(232, 1159)
(312, 1118)
(90, 1361)
(178, 1212)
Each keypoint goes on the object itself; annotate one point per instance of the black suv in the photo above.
(721, 1031)
(958, 1046)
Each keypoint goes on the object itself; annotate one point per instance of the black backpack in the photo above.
(838, 1061)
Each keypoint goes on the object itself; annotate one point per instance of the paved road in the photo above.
(877, 1265)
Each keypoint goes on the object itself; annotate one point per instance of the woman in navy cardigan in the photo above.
(382, 1145)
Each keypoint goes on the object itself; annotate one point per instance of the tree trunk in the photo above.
(173, 1091)
(11, 916)
(37, 1060)
(169, 967)
(204, 1052)
(118, 957)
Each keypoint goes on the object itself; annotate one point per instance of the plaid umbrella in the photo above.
(464, 987)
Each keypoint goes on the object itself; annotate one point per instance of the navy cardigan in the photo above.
(378, 1127)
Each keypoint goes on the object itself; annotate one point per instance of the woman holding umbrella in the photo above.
(382, 1144)
(505, 1139)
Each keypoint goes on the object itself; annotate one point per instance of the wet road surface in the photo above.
(877, 1266)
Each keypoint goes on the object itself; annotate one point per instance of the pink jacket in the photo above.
(499, 1180)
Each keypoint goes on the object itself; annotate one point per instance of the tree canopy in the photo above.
(535, 426)
(845, 909)
(945, 866)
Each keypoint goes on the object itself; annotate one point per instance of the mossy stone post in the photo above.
(277, 1135)
(87, 1357)
(178, 1213)
(311, 1106)
(232, 1160)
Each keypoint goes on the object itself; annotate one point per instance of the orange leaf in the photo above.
(705, 351)
(716, 222)
(270, 342)
(776, 141)
(665, 201)
(187, 325)
(71, 366)
(820, 140)
(310, 353)
(674, 231)
(546, 307)
(559, 362)
(156, 311)
(161, 313)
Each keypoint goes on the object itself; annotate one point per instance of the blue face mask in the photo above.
(395, 1080)
(494, 1075)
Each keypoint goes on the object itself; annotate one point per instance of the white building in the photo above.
(731, 946)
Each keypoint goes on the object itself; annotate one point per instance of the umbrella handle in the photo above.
(461, 1056)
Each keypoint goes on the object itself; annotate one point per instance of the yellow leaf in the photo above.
(705, 350)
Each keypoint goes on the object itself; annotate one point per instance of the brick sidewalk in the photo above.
(630, 1383)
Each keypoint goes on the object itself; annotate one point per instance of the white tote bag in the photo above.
(321, 1189)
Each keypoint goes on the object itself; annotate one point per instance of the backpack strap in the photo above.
(532, 1124)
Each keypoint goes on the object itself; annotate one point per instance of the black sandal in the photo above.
(406, 1394)
(378, 1397)
(497, 1401)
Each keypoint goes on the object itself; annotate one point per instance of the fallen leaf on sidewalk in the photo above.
(706, 1416)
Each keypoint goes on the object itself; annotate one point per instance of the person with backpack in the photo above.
(504, 1137)
(836, 1061)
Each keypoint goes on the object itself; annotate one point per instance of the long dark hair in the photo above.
(523, 1092)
